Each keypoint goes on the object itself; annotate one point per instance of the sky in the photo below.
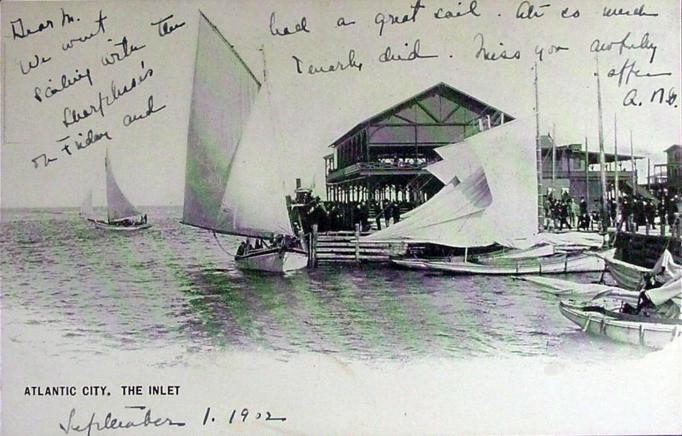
(311, 111)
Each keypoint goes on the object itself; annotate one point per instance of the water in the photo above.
(70, 288)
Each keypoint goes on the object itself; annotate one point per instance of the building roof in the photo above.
(435, 89)
(672, 147)
(593, 155)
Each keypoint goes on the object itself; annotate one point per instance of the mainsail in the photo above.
(87, 210)
(118, 206)
(490, 192)
(231, 178)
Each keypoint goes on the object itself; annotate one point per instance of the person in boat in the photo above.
(242, 249)
(259, 244)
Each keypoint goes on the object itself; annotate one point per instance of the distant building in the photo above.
(384, 156)
(578, 173)
(674, 167)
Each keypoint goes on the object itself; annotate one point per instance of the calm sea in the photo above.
(174, 286)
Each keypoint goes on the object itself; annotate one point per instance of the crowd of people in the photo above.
(635, 212)
(279, 241)
(562, 212)
(334, 216)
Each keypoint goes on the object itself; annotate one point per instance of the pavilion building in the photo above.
(384, 157)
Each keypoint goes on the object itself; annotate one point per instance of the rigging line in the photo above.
(215, 236)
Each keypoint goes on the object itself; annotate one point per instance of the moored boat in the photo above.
(555, 264)
(626, 275)
(653, 322)
(631, 329)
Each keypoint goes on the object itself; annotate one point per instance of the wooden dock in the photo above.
(348, 246)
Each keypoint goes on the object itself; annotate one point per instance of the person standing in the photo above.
(377, 214)
(661, 209)
(395, 212)
(584, 216)
(573, 213)
(387, 213)
(650, 213)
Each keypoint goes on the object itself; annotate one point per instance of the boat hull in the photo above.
(273, 260)
(107, 226)
(647, 334)
(626, 275)
(554, 265)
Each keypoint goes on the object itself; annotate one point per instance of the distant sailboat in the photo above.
(121, 214)
(232, 180)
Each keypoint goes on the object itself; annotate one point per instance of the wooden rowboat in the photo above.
(608, 321)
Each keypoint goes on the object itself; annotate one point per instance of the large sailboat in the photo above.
(489, 199)
(232, 181)
(122, 216)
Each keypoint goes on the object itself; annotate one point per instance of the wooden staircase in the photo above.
(347, 246)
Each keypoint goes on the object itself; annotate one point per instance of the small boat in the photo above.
(654, 322)
(630, 276)
(554, 264)
(273, 260)
(233, 184)
(122, 216)
(626, 275)
(561, 287)
(613, 324)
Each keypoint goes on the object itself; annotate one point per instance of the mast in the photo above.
(587, 174)
(634, 167)
(538, 151)
(601, 148)
(553, 156)
(615, 146)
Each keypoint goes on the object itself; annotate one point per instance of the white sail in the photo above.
(255, 195)
(87, 210)
(491, 196)
(118, 206)
(223, 93)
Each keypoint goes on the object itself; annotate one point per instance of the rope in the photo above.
(215, 236)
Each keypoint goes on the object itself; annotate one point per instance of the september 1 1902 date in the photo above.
(234, 416)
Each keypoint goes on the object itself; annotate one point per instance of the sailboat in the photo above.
(654, 321)
(490, 198)
(232, 181)
(122, 216)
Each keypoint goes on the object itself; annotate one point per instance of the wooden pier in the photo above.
(348, 246)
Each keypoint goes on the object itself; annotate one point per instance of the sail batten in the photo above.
(118, 206)
(231, 185)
